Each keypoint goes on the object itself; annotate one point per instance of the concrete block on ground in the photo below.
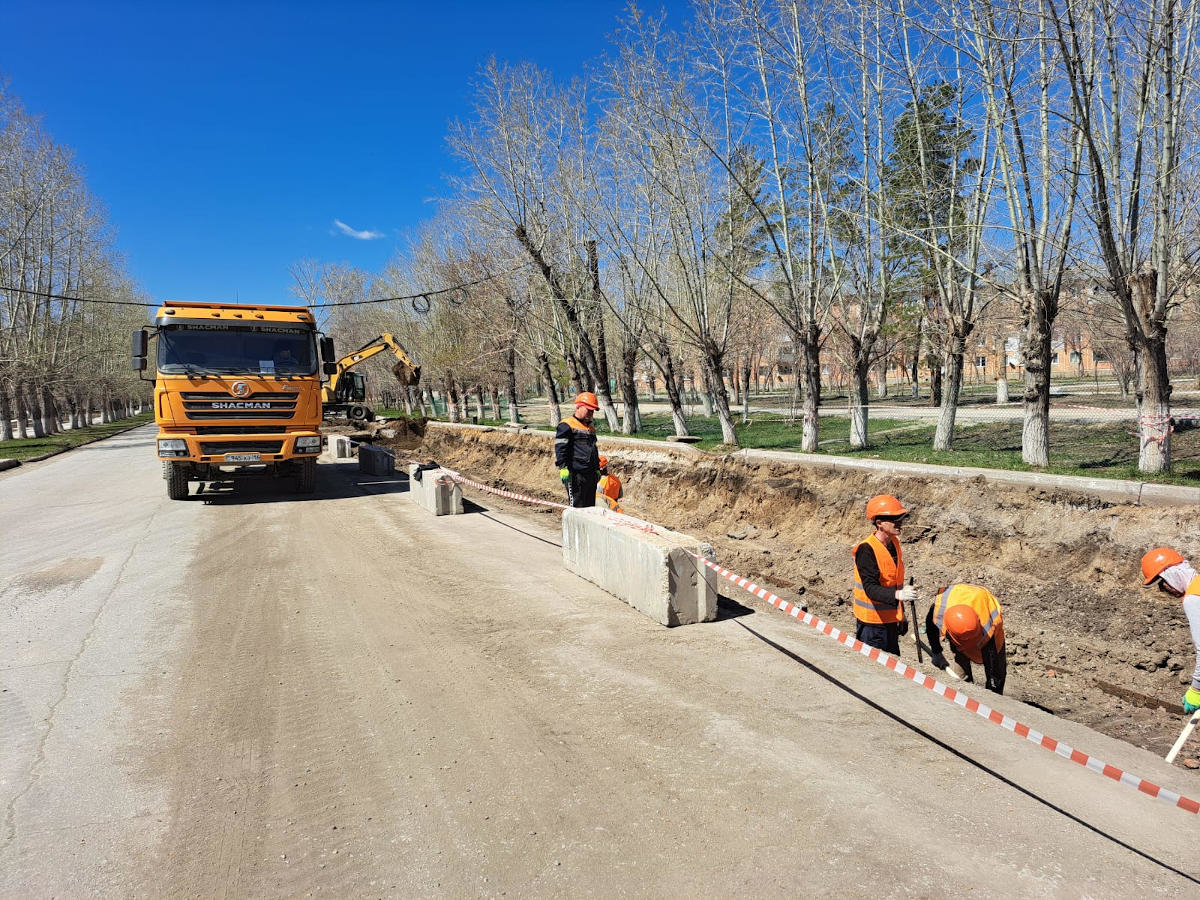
(374, 460)
(341, 447)
(435, 492)
(651, 571)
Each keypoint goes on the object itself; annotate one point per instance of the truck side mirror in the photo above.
(139, 347)
(330, 368)
(327, 353)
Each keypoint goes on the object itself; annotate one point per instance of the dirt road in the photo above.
(258, 695)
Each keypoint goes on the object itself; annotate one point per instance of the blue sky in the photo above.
(226, 138)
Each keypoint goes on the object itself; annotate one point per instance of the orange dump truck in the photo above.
(237, 392)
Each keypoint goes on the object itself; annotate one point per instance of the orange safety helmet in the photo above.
(588, 399)
(962, 624)
(884, 505)
(1158, 561)
(604, 462)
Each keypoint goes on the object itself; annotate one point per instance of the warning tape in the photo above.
(512, 495)
(958, 697)
(886, 660)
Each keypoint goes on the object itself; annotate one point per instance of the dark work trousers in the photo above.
(581, 489)
(884, 637)
(995, 678)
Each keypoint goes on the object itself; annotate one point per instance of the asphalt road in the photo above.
(260, 695)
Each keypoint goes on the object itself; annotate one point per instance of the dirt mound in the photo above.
(1064, 565)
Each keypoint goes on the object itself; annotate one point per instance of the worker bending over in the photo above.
(609, 489)
(1175, 577)
(575, 452)
(970, 619)
(879, 589)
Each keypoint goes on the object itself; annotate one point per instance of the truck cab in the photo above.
(237, 392)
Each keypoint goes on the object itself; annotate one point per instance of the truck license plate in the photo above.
(243, 457)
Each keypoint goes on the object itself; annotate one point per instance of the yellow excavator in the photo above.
(346, 393)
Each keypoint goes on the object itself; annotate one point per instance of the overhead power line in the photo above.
(421, 302)
(50, 296)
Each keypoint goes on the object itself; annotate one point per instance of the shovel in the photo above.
(1184, 735)
(912, 605)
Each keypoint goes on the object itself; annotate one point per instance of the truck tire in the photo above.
(306, 476)
(359, 414)
(177, 480)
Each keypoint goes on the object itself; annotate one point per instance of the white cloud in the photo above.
(357, 235)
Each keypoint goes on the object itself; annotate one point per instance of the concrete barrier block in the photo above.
(435, 492)
(340, 447)
(374, 460)
(651, 571)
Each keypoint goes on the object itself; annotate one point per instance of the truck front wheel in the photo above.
(177, 480)
(306, 476)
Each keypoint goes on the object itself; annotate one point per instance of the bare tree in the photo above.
(1130, 72)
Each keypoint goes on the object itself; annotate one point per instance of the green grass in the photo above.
(1107, 450)
(31, 447)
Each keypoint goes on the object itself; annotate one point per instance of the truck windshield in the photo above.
(236, 350)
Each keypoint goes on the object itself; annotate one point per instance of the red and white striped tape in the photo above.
(512, 495)
(958, 697)
(619, 518)
(887, 661)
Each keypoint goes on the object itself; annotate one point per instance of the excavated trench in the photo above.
(1085, 641)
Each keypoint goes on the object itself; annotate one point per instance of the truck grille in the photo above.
(219, 448)
(240, 429)
(219, 405)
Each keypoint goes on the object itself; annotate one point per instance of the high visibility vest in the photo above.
(610, 487)
(891, 574)
(986, 607)
(1194, 587)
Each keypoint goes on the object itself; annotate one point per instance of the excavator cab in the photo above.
(352, 388)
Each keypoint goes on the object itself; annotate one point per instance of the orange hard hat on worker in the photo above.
(604, 462)
(884, 505)
(962, 625)
(1158, 561)
(588, 399)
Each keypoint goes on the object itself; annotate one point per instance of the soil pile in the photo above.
(1085, 641)
(399, 434)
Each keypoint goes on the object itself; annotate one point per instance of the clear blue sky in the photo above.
(226, 137)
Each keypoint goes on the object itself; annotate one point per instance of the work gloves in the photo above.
(939, 661)
(564, 475)
(903, 629)
(1191, 700)
(907, 593)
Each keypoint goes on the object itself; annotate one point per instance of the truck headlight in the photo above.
(172, 447)
(308, 444)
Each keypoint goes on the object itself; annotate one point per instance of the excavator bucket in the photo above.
(407, 375)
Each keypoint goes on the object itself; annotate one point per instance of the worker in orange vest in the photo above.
(970, 619)
(1174, 575)
(575, 452)
(879, 589)
(609, 488)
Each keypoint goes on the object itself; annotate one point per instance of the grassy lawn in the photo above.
(31, 447)
(1107, 450)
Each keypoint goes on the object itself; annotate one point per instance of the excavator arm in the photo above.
(407, 372)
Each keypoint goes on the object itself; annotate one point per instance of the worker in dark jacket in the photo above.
(970, 619)
(879, 589)
(576, 454)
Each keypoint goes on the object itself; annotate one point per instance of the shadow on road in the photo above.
(817, 670)
(331, 485)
